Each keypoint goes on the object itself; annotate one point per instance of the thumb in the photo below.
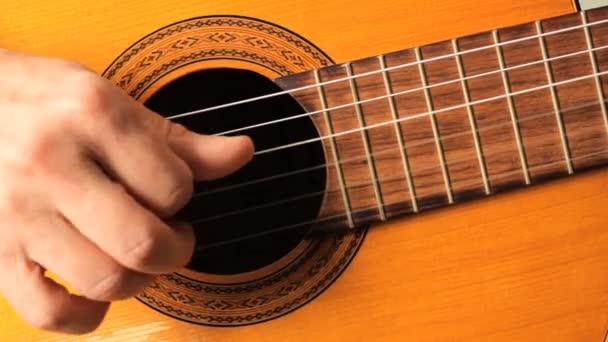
(209, 156)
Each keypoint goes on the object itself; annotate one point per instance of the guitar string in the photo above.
(377, 71)
(410, 117)
(474, 76)
(373, 154)
(392, 95)
(338, 216)
(311, 86)
(432, 113)
(384, 151)
(380, 181)
(413, 90)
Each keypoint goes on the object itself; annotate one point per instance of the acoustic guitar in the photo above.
(424, 170)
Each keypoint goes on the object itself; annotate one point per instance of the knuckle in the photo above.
(89, 96)
(12, 203)
(175, 129)
(34, 153)
(141, 254)
(29, 155)
(178, 194)
(87, 99)
(46, 317)
(110, 287)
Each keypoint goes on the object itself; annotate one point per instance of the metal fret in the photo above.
(556, 107)
(334, 150)
(596, 70)
(433, 118)
(507, 87)
(393, 106)
(366, 145)
(472, 122)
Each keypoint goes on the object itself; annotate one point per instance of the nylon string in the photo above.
(311, 86)
(329, 218)
(381, 152)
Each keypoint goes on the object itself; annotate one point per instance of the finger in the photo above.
(59, 247)
(133, 149)
(210, 156)
(125, 230)
(45, 304)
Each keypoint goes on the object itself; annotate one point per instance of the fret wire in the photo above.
(514, 120)
(366, 144)
(365, 183)
(596, 70)
(381, 152)
(554, 99)
(360, 210)
(433, 118)
(416, 116)
(311, 86)
(426, 114)
(476, 76)
(398, 131)
(472, 121)
(334, 150)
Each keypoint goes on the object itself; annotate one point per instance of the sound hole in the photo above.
(232, 238)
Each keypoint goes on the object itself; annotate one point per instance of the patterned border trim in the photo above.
(258, 317)
(218, 21)
(228, 289)
(200, 300)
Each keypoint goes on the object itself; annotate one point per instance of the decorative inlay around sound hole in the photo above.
(178, 51)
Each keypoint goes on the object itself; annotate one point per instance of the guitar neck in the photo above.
(460, 119)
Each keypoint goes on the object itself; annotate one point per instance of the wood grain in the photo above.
(495, 128)
(561, 128)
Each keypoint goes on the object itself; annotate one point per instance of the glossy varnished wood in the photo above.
(454, 91)
(529, 265)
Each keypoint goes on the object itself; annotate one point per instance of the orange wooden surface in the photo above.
(532, 265)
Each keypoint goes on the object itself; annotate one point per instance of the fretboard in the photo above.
(466, 118)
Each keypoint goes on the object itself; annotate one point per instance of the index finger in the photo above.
(124, 229)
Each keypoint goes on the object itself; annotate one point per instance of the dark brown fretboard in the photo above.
(460, 119)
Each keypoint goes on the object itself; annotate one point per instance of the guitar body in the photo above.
(527, 265)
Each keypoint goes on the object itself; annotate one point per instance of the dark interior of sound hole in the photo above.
(232, 238)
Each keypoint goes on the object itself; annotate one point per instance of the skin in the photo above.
(90, 181)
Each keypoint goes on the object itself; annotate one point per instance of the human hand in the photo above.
(90, 180)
